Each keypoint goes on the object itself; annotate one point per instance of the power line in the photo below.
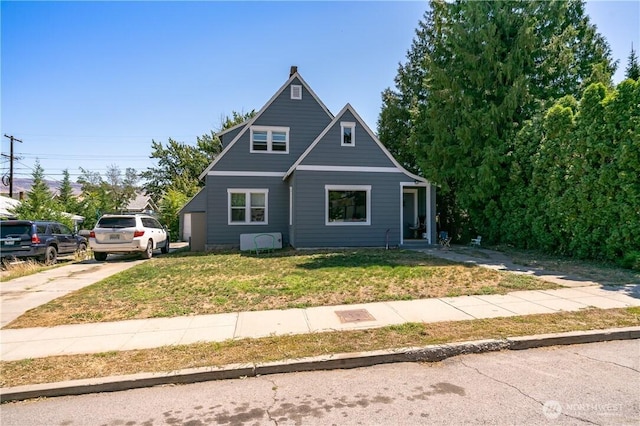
(11, 158)
(81, 156)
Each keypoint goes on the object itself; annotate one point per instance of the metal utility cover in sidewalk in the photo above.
(354, 315)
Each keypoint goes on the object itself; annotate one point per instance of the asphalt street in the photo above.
(579, 384)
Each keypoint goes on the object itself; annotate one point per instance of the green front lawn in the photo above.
(187, 284)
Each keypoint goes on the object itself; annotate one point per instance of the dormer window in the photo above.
(270, 139)
(348, 133)
(296, 92)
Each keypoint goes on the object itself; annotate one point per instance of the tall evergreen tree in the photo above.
(633, 66)
(39, 203)
(488, 67)
(66, 198)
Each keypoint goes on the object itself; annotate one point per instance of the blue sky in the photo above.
(90, 84)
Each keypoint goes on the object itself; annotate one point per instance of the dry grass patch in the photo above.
(230, 282)
(21, 268)
(171, 358)
(605, 273)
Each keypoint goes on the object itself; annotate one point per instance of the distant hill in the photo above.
(24, 185)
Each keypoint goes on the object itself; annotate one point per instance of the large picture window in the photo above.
(248, 206)
(270, 139)
(348, 205)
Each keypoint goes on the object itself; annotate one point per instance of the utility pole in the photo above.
(11, 164)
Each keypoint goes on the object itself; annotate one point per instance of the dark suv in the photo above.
(42, 240)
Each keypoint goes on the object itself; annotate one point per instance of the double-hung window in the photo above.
(248, 206)
(348, 205)
(270, 139)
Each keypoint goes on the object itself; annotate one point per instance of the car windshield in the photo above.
(14, 230)
(117, 222)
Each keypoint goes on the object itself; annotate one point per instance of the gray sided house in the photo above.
(310, 179)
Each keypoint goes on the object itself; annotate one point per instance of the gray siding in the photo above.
(196, 204)
(229, 136)
(220, 233)
(305, 118)
(365, 153)
(309, 206)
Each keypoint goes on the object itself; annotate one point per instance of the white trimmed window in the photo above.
(270, 139)
(296, 91)
(347, 205)
(248, 206)
(347, 133)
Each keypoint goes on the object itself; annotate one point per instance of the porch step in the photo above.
(416, 244)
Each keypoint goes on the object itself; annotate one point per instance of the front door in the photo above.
(409, 212)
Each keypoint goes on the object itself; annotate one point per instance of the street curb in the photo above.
(431, 353)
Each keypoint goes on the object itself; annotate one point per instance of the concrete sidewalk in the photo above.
(22, 294)
(20, 344)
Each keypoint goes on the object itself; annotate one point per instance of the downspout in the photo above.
(428, 219)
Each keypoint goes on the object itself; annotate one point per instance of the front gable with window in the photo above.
(277, 135)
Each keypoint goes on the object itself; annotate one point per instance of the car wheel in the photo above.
(99, 256)
(50, 256)
(165, 247)
(149, 250)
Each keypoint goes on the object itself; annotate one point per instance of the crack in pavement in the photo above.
(606, 362)
(274, 388)
(542, 404)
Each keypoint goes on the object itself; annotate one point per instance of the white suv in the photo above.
(128, 233)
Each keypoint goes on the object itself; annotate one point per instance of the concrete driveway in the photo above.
(21, 294)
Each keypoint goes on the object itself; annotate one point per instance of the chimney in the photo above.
(294, 69)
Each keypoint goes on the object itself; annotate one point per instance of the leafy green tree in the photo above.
(235, 119)
(633, 66)
(180, 164)
(100, 196)
(169, 206)
(121, 189)
(95, 200)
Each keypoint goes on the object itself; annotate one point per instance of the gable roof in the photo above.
(7, 204)
(225, 131)
(193, 199)
(247, 124)
(141, 202)
(335, 120)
